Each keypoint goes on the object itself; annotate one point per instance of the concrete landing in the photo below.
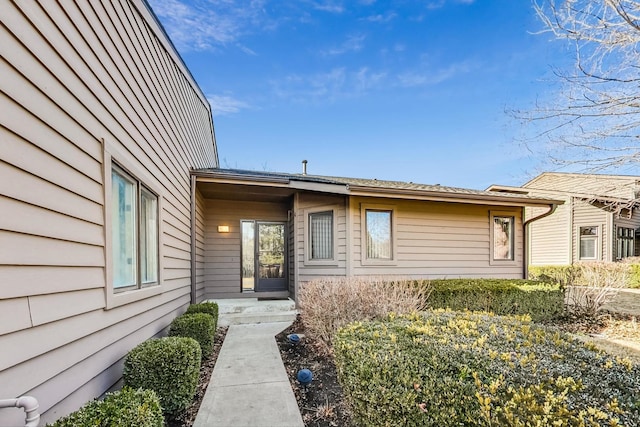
(249, 385)
(252, 310)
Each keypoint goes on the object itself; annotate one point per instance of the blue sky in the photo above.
(401, 90)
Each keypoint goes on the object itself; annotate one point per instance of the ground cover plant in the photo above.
(452, 368)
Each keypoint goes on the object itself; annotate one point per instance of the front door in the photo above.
(264, 263)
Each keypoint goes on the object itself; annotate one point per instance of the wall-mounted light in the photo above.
(223, 229)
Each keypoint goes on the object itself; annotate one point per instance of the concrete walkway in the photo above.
(249, 385)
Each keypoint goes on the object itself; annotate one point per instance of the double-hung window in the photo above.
(625, 242)
(589, 243)
(321, 236)
(134, 234)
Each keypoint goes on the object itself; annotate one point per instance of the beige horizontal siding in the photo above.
(75, 74)
(550, 237)
(604, 185)
(584, 215)
(439, 240)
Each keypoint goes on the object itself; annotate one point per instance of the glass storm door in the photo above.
(264, 265)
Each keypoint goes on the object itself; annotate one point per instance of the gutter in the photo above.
(30, 406)
(525, 268)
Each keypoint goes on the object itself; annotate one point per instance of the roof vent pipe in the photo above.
(304, 167)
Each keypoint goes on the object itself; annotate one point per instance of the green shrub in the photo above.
(169, 366)
(634, 272)
(540, 300)
(126, 408)
(199, 326)
(208, 307)
(564, 275)
(475, 369)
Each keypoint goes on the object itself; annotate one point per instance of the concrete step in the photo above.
(252, 311)
(255, 318)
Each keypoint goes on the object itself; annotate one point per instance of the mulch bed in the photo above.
(186, 418)
(321, 403)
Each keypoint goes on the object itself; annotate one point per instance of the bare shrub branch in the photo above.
(597, 284)
(594, 120)
(328, 304)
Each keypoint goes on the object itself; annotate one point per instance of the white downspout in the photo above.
(30, 406)
(552, 209)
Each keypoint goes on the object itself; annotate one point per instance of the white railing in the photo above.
(30, 406)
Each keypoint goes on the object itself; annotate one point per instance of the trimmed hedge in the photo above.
(475, 369)
(570, 274)
(208, 307)
(540, 300)
(169, 366)
(126, 408)
(199, 326)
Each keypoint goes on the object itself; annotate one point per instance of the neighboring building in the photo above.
(598, 221)
(114, 216)
(265, 234)
(100, 125)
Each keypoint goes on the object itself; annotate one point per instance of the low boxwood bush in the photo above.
(126, 408)
(199, 326)
(476, 369)
(169, 366)
(207, 307)
(540, 300)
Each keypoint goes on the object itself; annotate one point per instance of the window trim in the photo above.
(364, 207)
(514, 223)
(115, 156)
(596, 238)
(307, 237)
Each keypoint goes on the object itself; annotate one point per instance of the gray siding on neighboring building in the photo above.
(585, 215)
(83, 84)
(549, 238)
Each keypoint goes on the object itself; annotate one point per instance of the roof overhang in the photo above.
(292, 184)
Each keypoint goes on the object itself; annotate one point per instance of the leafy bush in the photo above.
(451, 368)
(330, 303)
(169, 366)
(540, 300)
(126, 408)
(564, 275)
(208, 307)
(199, 326)
(634, 272)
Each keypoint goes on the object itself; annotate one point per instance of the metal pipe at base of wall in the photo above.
(30, 406)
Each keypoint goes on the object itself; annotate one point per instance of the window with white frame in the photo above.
(321, 235)
(589, 242)
(134, 232)
(378, 234)
(503, 238)
(625, 242)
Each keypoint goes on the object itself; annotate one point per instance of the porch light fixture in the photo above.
(223, 229)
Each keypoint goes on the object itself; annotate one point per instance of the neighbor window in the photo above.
(588, 242)
(378, 227)
(625, 242)
(134, 232)
(321, 235)
(503, 227)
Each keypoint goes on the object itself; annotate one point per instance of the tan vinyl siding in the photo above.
(584, 215)
(200, 247)
(549, 240)
(336, 267)
(438, 240)
(222, 260)
(73, 74)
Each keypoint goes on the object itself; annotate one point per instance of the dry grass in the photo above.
(330, 303)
